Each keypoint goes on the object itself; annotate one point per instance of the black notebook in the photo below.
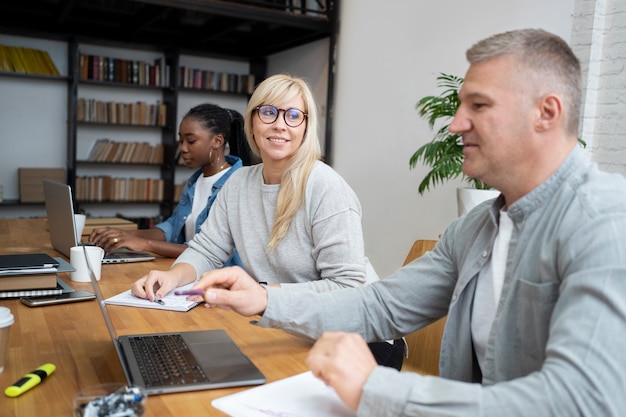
(27, 261)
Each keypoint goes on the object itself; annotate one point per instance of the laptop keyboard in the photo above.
(166, 360)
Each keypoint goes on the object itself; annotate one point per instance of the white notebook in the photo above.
(302, 395)
(170, 301)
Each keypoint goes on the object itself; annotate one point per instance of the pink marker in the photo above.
(189, 292)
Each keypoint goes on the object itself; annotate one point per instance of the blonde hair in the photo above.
(276, 90)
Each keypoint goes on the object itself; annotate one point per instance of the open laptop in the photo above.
(63, 236)
(217, 361)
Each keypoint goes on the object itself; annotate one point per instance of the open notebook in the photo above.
(164, 363)
(63, 236)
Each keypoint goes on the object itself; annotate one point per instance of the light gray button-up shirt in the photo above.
(558, 342)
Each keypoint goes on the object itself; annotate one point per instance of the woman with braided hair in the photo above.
(204, 133)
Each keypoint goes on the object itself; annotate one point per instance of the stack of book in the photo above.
(28, 275)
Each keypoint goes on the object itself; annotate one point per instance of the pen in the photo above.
(159, 301)
(189, 292)
(30, 380)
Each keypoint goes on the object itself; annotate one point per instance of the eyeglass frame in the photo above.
(257, 108)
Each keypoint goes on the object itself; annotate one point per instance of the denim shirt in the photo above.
(174, 227)
(557, 343)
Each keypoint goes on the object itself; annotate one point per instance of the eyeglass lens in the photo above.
(269, 114)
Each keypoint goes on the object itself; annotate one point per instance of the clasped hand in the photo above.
(344, 362)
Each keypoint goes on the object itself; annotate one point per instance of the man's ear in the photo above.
(550, 113)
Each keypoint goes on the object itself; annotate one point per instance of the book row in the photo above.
(216, 81)
(26, 60)
(105, 188)
(126, 71)
(106, 150)
(112, 112)
(157, 74)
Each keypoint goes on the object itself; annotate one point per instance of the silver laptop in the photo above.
(164, 363)
(63, 235)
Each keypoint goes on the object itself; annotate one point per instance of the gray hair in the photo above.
(546, 58)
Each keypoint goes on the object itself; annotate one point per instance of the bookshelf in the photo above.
(175, 68)
(122, 98)
(137, 119)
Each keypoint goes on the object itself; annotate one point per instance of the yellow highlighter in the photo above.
(30, 380)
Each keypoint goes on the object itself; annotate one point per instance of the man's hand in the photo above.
(232, 289)
(344, 362)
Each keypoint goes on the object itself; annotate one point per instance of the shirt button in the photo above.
(454, 297)
(484, 254)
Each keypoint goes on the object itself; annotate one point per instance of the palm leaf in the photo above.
(444, 153)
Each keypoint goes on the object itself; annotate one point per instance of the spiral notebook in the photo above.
(171, 301)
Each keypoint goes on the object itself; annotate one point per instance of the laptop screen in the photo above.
(63, 234)
(60, 210)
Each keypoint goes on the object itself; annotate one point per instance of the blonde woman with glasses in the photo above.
(295, 222)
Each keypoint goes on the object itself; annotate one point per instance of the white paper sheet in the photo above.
(301, 395)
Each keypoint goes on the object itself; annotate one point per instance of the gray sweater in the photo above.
(322, 250)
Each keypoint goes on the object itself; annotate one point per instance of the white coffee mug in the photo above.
(6, 321)
(79, 262)
(79, 222)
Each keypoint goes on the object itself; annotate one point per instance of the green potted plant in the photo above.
(444, 153)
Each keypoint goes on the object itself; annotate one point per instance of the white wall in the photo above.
(25, 141)
(599, 38)
(309, 62)
(389, 55)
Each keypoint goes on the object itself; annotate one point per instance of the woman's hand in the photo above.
(110, 239)
(156, 284)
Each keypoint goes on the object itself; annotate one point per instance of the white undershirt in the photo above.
(204, 189)
(489, 288)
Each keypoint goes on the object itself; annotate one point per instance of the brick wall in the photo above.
(599, 40)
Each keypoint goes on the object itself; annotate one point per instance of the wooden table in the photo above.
(74, 337)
